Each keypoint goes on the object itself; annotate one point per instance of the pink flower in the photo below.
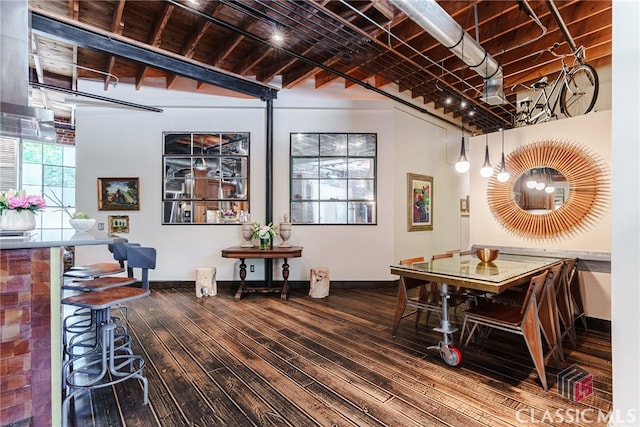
(14, 200)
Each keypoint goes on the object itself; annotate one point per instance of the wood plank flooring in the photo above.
(331, 362)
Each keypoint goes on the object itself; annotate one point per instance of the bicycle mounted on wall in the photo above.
(575, 88)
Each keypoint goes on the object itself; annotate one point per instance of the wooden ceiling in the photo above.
(352, 43)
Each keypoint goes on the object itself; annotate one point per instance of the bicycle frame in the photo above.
(546, 109)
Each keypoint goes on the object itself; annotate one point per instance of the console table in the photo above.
(242, 254)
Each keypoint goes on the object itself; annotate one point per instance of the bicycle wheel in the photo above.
(579, 94)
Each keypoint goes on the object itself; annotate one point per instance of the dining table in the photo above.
(466, 271)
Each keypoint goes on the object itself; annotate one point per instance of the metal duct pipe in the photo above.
(437, 22)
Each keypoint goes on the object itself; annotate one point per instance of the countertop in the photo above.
(40, 238)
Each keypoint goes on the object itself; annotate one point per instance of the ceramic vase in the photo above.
(15, 220)
(285, 234)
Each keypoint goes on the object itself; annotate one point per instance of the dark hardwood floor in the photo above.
(330, 362)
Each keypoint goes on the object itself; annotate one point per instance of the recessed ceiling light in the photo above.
(277, 38)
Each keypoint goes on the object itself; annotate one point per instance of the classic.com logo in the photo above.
(575, 383)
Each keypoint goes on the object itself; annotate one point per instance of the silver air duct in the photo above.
(437, 22)
(17, 118)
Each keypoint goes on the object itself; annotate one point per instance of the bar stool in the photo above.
(110, 360)
(94, 278)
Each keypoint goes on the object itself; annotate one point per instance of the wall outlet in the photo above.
(252, 268)
(101, 226)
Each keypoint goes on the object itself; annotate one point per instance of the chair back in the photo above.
(143, 258)
(409, 261)
(440, 256)
(534, 291)
(119, 251)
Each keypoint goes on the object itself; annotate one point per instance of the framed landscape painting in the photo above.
(420, 202)
(118, 194)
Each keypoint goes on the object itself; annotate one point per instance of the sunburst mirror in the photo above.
(582, 178)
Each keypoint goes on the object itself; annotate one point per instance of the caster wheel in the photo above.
(451, 356)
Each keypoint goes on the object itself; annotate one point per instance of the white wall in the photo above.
(125, 143)
(625, 268)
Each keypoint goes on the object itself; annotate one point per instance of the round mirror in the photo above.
(585, 183)
(540, 190)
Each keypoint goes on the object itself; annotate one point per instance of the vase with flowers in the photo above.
(264, 233)
(18, 210)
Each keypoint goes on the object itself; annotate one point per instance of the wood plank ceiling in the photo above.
(366, 43)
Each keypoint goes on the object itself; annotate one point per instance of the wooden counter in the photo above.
(30, 326)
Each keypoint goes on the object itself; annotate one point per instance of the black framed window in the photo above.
(205, 177)
(333, 178)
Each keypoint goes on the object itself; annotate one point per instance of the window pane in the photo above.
(333, 144)
(304, 168)
(52, 154)
(69, 177)
(361, 189)
(305, 189)
(177, 143)
(333, 212)
(362, 213)
(52, 175)
(333, 189)
(333, 167)
(69, 156)
(361, 168)
(31, 152)
(235, 144)
(362, 144)
(305, 212)
(31, 174)
(304, 144)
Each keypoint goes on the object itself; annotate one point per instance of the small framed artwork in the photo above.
(464, 206)
(118, 223)
(118, 194)
(420, 202)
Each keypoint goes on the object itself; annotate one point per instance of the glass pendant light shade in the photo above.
(462, 165)
(503, 174)
(487, 170)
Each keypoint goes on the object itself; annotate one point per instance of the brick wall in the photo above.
(25, 337)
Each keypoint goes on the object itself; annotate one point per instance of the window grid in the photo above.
(333, 178)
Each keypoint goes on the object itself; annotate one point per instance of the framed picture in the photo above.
(118, 223)
(118, 194)
(420, 202)
(464, 206)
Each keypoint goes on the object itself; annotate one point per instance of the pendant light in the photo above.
(503, 174)
(462, 165)
(531, 182)
(486, 170)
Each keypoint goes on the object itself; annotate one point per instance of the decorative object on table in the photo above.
(18, 210)
(118, 223)
(80, 221)
(420, 202)
(118, 194)
(247, 234)
(264, 233)
(487, 254)
(285, 232)
(319, 283)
